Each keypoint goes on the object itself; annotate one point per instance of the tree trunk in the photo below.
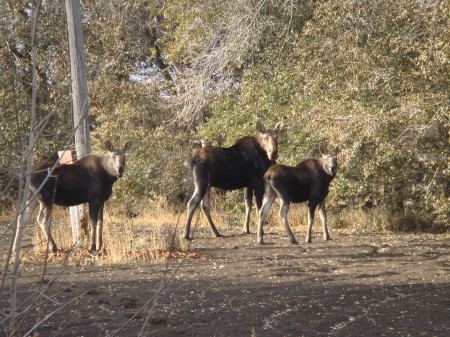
(79, 89)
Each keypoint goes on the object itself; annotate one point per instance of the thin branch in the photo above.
(51, 314)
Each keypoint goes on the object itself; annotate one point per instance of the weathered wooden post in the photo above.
(79, 89)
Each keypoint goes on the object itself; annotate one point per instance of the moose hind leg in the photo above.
(192, 205)
(41, 215)
(268, 201)
(284, 208)
(206, 207)
(45, 224)
(323, 217)
(259, 194)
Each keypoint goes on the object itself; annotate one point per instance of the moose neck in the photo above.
(106, 163)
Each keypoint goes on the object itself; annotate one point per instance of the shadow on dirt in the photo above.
(356, 285)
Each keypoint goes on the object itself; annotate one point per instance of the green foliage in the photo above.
(372, 76)
(53, 104)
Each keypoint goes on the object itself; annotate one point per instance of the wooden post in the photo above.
(67, 157)
(79, 88)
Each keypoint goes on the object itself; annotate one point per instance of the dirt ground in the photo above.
(358, 284)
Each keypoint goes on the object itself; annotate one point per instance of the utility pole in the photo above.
(78, 75)
(79, 93)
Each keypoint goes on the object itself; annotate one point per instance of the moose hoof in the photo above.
(294, 242)
(261, 242)
(187, 238)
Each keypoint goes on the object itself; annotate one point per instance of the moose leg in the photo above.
(311, 209)
(99, 236)
(198, 195)
(192, 205)
(40, 216)
(22, 220)
(248, 195)
(284, 208)
(201, 186)
(84, 219)
(259, 194)
(93, 215)
(45, 223)
(323, 217)
(268, 201)
(206, 207)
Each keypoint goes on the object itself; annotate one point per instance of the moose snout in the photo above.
(333, 171)
(274, 155)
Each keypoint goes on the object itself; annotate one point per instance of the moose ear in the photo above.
(337, 149)
(127, 146)
(279, 126)
(323, 150)
(108, 146)
(260, 127)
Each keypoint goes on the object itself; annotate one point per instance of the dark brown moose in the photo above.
(241, 165)
(308, 181)
(88, 180)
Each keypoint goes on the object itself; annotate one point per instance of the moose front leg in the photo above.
(93, 215)
(284, 208)
(248, 196)
(259, 195)
(99, 236)
(311, 210)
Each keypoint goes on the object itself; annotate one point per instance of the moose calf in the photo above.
(88, 180)
(308, 181)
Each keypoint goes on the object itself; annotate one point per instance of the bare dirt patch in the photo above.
(358, 284)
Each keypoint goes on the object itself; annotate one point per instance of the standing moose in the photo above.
(88, 180)
(241, 165)
(308, 181)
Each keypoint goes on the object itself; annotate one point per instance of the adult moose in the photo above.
(88, 180)
(308, 181)
(241, 165)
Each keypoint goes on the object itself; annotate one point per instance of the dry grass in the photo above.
(145, 238)
(157, 231)
(352, 219)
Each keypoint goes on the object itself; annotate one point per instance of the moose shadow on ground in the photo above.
(358, 284)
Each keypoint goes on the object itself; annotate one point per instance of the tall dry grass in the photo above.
(141, 238)
(159, 229)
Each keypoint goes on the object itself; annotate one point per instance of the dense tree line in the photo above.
(372, 76)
